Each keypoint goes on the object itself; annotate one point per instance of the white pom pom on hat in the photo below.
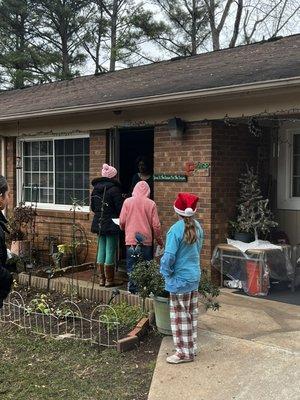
(186, 204)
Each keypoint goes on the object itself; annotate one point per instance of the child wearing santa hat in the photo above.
(180, 266)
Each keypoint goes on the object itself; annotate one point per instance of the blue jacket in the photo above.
(180, 264)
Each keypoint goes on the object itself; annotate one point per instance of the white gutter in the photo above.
(163, 98)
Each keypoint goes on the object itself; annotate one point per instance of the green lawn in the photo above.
(36, 368)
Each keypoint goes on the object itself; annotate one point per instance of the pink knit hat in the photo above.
(108, 171)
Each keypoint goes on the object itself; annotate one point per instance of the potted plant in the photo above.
(254, 215)
(150, 283)
(20, 226)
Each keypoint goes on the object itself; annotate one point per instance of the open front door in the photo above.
(114, 148)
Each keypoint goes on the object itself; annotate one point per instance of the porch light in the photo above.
(19, 162)
(176, 127)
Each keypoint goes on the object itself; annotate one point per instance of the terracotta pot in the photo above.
(20, 247)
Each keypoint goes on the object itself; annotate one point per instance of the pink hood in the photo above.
(141, 189)
(139, 215)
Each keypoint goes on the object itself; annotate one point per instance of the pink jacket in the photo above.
(139, 214)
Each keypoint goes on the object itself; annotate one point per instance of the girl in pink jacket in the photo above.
(139, 216)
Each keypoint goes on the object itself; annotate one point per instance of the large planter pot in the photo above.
(162, 315)
(245, 237)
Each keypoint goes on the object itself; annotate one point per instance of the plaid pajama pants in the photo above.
(184, 316)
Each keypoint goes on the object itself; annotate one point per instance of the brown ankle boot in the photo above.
(109, 275)
(101, 275)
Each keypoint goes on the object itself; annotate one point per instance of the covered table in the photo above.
(254, 267)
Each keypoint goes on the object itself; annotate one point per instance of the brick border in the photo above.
(101, 294)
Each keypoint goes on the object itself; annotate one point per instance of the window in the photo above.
(55, 171)
(289, 169)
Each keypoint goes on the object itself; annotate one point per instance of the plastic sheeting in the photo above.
(253, 268)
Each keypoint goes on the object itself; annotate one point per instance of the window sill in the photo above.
(58, 213)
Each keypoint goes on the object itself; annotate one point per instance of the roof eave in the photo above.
(164, 98)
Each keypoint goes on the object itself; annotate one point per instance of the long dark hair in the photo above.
(3, 185)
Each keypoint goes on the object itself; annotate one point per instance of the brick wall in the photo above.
(170, 156)
(233, 148)
(227, 149)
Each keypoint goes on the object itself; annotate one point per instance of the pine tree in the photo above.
(21, 58)
(62, 29)
(116, 32)
(254, 214)
(185, 26)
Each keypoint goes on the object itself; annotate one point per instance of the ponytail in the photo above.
(190, 235)
(3, 185)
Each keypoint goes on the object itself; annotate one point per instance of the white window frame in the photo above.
(45, 206)
(285, 199)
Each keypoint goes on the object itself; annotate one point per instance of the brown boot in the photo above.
(109, 275)
(101, 275)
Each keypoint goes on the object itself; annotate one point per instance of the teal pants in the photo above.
(107, 246)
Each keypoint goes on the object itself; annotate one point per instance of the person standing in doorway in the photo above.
(139, 217)
(144, 173)
(180, 267)
(106, 203)
(6, 279)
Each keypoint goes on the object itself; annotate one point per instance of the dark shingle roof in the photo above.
(245, 64)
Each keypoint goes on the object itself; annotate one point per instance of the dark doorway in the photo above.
(134, 142)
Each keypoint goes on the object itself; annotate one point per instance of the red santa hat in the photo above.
(186, 204)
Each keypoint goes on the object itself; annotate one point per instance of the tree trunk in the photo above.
(237, 23)
(20, 67)
(215, 39)
(66, 74)
(194, 30)
(113, 39)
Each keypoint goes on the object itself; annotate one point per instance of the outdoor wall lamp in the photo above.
(176, 127)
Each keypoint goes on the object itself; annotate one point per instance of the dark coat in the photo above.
(6, 278)
(113, 202)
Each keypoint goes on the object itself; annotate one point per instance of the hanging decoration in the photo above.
(256, 122)
(19, 164)
(254, 127)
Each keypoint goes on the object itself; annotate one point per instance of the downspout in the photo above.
(3, 160)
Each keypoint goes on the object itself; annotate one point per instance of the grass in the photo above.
(36, 368)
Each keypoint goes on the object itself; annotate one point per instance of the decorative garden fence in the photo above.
(66, 321)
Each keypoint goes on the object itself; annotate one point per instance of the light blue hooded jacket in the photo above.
(180, 264)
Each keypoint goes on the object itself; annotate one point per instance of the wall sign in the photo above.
(191, 167)
(169, 178)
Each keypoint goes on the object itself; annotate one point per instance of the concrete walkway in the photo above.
(249, 350)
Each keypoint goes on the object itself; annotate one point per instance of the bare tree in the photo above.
(219, 13)
(268, 19)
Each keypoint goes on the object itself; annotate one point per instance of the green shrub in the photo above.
(126, 315)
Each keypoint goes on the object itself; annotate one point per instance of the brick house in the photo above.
(62, 132)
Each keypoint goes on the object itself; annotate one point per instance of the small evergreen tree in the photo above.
(254, 212)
